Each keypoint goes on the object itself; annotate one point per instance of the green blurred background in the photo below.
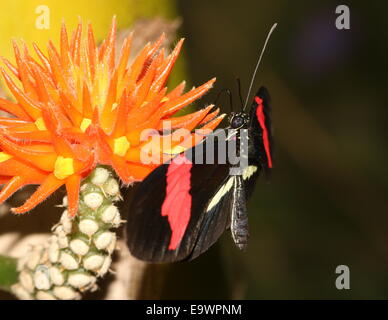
(326, 204)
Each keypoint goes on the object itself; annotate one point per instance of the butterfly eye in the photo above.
(237, 122)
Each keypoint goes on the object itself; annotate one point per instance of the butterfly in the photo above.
(182, 207)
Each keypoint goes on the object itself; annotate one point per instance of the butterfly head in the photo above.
(238, 120)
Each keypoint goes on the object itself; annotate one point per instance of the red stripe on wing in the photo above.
(177, 204)
(261, 118)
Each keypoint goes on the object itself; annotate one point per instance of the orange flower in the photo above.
(78, 107)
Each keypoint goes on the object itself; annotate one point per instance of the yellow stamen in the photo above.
(64, 167)
(85, 124)
(4, 156)
(121, 146)
(40, 124)
(164, 100)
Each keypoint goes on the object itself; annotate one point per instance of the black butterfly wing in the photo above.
(228, 208)
(150, 235)
(216, 217)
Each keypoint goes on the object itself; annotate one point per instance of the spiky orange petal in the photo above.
(175, 105)
(183, 121)
(14, 109)
(210, 116)
(29, 106)
(166, 70)
(11, 187)
(72, 187)
(49, 185)
(14, 167)
(27, 136)
(42, 160)
(11, 122)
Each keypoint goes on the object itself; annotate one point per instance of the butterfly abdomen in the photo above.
(239, 215)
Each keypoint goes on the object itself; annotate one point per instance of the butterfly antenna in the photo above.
(239, 92)
(230, 97)
(258, 63)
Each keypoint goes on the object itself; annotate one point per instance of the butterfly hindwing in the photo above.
(227, 209)
(155, 230)
(216, 218)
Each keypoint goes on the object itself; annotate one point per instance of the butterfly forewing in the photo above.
(261, 142)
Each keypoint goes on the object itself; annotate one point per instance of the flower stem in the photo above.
(80, 248)
(8, 272)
